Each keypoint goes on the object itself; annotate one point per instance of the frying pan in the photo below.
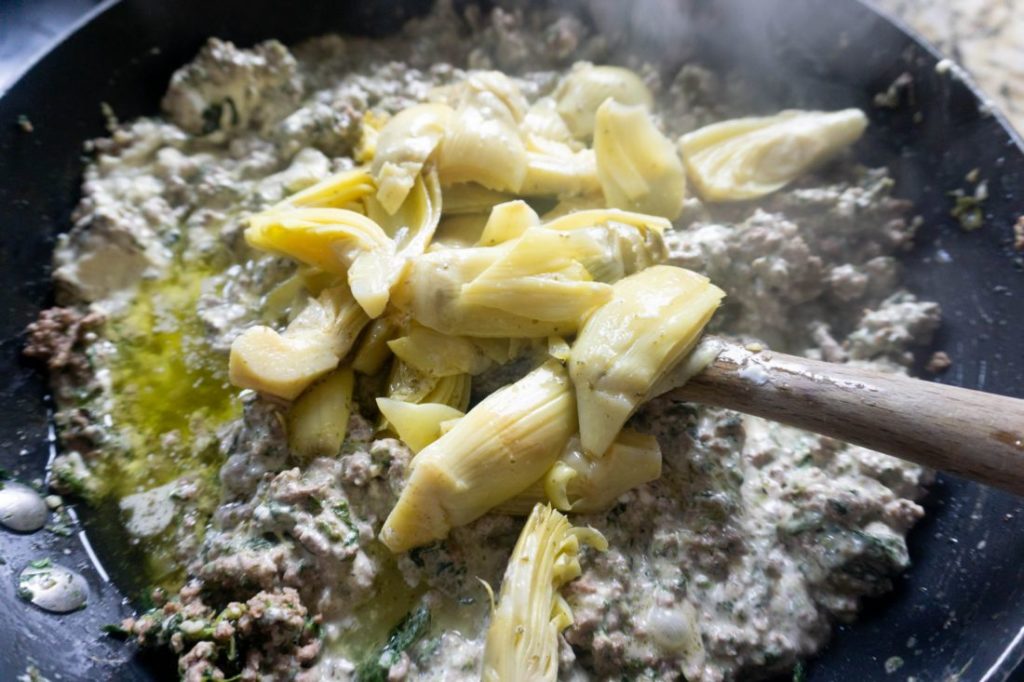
(959, 609)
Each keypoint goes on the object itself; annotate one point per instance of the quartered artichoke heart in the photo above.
(588, 484)
(639, 168)
(522, 640)
(497, 450)
(747, 158)
(587, 87)
(653, 320)
(284, 364)
(482, 143)
(403, 147)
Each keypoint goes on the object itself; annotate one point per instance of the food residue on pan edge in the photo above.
(755, 537)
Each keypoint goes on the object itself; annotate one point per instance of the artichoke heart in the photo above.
(587, 87)
(416, 424)
(540, 274)
(336, 191)
(497, 450)
(333, 240)
(403, 146)
(639, 168)
(522, 639)
(482, 142)
(318, 420)
(584, 484)
(439, 355)
(748, 158)
(653, 320)
(285, 364)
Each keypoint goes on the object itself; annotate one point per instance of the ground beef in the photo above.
(56, 338)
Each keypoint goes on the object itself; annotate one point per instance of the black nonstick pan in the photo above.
(959, 611)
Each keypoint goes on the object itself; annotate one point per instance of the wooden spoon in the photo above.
(976, 435)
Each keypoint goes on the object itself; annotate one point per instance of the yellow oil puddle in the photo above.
(170, 395)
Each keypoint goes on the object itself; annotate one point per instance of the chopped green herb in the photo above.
(967, 208)
(414, 626)
(115, 631)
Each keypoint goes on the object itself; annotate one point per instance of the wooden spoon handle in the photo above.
(976, 435)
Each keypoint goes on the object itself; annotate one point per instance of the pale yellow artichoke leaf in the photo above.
(575, 220)
(369, 131)
(507, 221)
(561, 173)
(408, 384)
(638, 167)
(416, 424)
(431, 294)
(329, 239)
(371, 276)
(404, 145)
(585, 484)
(335, 191)
(437, 354)
(539, 275)
(372, 351)
(318, 420)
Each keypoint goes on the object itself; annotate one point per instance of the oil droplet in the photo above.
(53, 587)
(21, 508)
